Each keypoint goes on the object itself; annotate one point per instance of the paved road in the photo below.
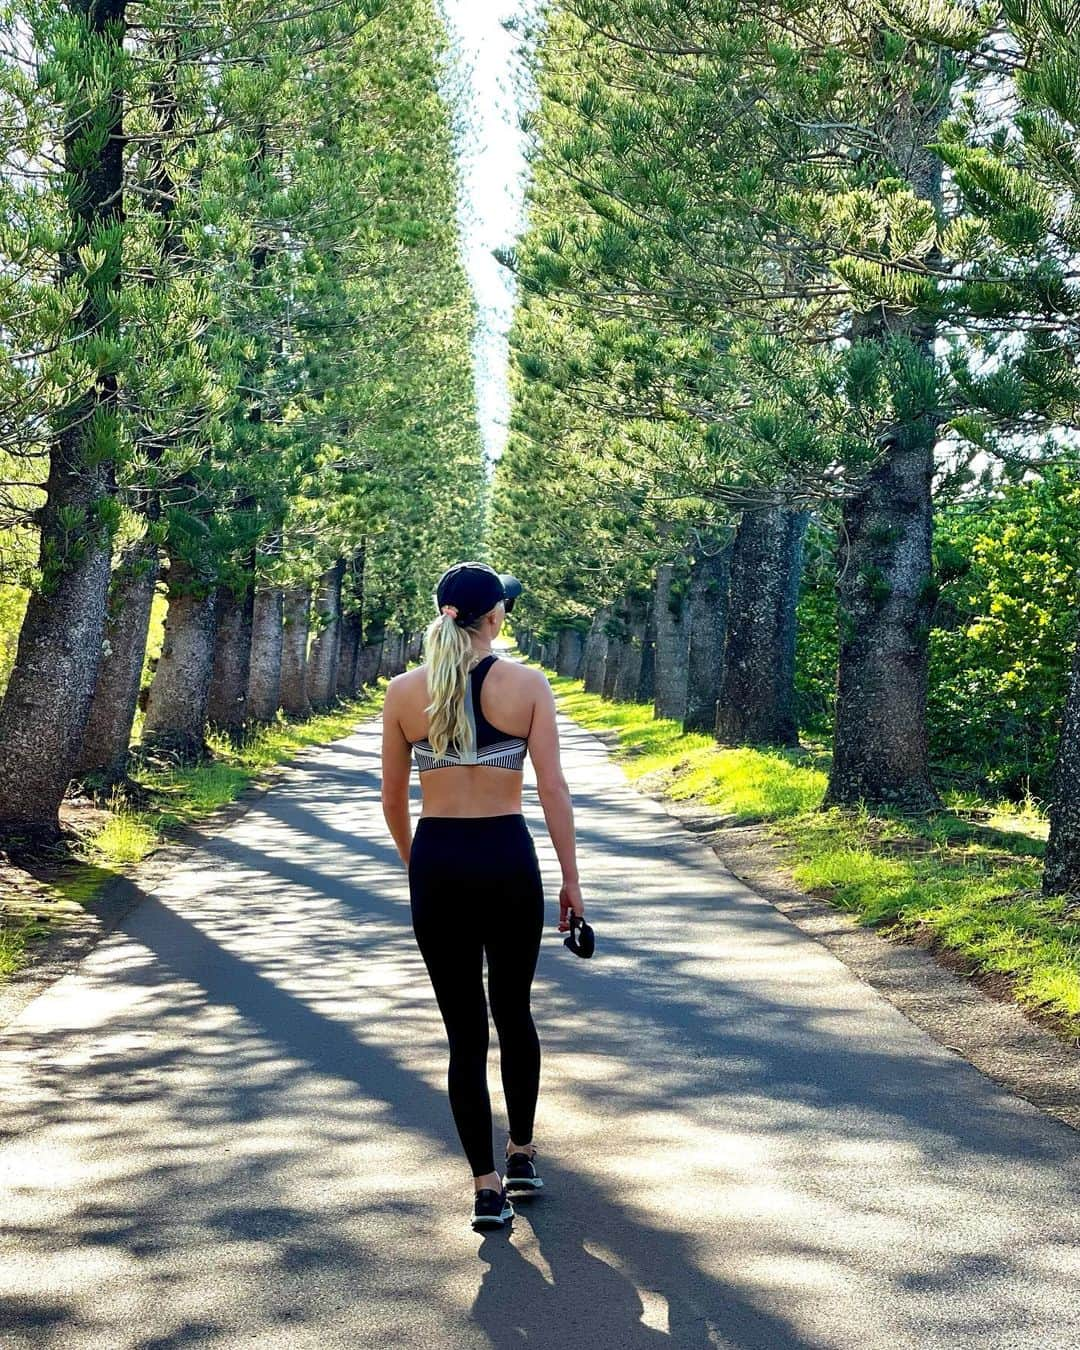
(228, 1126)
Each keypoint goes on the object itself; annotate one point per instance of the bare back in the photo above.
(509, 697)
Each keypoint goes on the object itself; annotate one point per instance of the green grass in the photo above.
(968, 875)
(174, 797)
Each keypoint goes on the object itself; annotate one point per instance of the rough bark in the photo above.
(349, 654)
(226, 706)
(176, 708)
(47, 702)
(386, 661)
(107, 738)
(105, 743)
(757, 697)
(323, 657)
(628, 679)
(352, 626)
(672, 645)
(1061, 868)
(264, 679)
(595, 654)
(613, 658)
(369, 662)
(569, 652)
(393, 656)
(296, 622)
(629, 671)
(647, 674)
(710, 578)
(885, 588)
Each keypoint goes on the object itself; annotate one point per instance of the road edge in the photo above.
(62, 950)
(994, 1034)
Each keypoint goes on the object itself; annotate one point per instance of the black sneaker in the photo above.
(520, 1177)
(491, 1208)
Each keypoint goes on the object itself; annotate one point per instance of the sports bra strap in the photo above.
(487, 743)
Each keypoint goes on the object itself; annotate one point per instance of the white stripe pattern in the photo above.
(504, 754)
(508, 754)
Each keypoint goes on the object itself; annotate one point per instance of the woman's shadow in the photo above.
(608, 1274)
(588, 1302)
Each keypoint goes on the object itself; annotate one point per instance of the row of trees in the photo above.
(234, 357)
(798, 290)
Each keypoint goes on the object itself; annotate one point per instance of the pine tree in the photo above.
(749, 255)
(47, 700)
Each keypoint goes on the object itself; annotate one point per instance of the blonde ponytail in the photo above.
(449, 656)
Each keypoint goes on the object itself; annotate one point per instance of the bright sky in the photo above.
(493, 170)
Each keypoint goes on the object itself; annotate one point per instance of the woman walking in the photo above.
(468, 718)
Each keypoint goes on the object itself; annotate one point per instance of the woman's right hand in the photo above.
(570, 899)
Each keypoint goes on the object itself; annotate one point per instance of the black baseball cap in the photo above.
(473, 588)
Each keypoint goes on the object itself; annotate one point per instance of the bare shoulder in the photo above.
(401, 686)
(417, 675)
(528, 677)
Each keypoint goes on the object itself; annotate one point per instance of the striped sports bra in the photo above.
(487, 744)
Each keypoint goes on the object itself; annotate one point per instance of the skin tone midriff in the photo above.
(470, 790)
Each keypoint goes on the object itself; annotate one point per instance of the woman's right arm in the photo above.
(554, 794)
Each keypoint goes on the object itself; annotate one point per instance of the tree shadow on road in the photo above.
(262, 1019)
(300, 1041)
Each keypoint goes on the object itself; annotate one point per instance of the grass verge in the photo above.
(964, 880)
(106, 842)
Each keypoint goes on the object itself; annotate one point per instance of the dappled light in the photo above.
(231, 1120)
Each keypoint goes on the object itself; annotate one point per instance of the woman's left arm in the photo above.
(396, 766)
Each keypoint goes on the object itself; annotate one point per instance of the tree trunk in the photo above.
(349, 654)
(710, 579)
(105, 743)
(647, 674)
(596, 645)
(386, 661)
(628, 680)
(322, 661)
(370, 662)
(393, 654)
(757, 698)
(227, 704)
(885, 587)
(47, 702)
(569, 652)
(1061, 868)
(613, 659)
(176, 709)
(264, 680)
(629, 671)
(672, 645)
(295, 699)
(352, 626)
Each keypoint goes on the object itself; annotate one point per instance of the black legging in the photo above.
(475, 885)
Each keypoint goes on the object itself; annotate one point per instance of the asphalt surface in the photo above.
(228, 1125)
